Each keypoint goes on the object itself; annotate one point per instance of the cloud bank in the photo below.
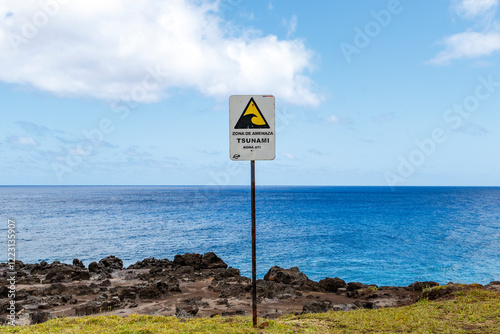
(472, 44)
(468, 45)
(473, 8)
(103, 49)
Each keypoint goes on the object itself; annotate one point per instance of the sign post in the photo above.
(254, 246)
(251, 137)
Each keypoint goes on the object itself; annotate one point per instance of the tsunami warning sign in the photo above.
(251, 127)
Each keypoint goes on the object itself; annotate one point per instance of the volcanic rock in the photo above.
(287, 276)
(354, 286)
(419, 286)
(317, 306)
(228, 273)
(186, 311)
(272, 290)
(111, 262)
(332, 284)
(94, 267)
(233, 313)
(93, 307)
(292, 276)
(152, 263)
(360, 304)
(212, 261)
(78, 263)
(55, 289)
(160, 288)
(494, 285)
(40, 317)
(188, 259)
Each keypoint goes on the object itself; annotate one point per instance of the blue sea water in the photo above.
(380, 235)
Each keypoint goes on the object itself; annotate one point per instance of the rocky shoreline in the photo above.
(192, 285)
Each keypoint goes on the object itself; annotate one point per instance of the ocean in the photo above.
(379, 235)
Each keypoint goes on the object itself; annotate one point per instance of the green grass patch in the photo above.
(474, 311)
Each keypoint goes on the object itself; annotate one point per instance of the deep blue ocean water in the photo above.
(369, 234)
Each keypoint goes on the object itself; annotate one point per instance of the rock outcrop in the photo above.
(192, 285)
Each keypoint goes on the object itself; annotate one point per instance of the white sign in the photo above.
(251, 127)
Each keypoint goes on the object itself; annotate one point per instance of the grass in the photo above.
(473, 311)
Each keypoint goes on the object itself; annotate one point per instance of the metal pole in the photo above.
(254, 259)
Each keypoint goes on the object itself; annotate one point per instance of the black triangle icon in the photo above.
(252, 118)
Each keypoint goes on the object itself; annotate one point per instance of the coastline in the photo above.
(192, 285)
(373, 235)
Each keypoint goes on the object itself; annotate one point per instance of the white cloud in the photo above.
(472, 44)
(289, 156)
(473, 8)
(108, 50)
(21, 141)
(290, 25)
(467, 45)
(79, 151)
(332, 119)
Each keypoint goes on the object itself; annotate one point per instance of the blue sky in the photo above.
(389, 92)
